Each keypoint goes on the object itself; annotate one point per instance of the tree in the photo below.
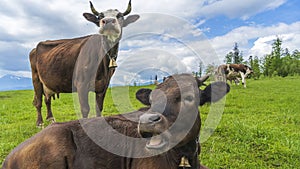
(210, 69)
(296, 55)
(266, 65)
(201, 68)
(286, 62)
(295, 63)
(280, 62)
(272, 62)
(276, 54)
(234, 56)
(195, 74)
(254, 63)
(228, 58)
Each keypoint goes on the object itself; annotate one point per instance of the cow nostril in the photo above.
(108, 21)
(155, 118)
(150, 118)
(146, 134)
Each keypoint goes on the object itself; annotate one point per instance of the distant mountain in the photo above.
(12, 82)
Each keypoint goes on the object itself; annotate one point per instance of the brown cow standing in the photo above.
(80, 64)
(158, 136)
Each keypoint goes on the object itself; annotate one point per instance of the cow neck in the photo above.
(112, 48)
(113, 51)
(111, 44)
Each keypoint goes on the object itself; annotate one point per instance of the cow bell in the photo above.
(184, 163)
(112, 63)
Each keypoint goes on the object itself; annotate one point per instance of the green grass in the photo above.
(259, 127)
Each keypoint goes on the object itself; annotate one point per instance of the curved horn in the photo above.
(95, 12)
(128, 10)
(202, 79)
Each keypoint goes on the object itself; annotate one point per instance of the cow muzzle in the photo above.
(110, 27)
(153, 126)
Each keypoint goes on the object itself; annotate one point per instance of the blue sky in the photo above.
(287, 13)
(210, 26)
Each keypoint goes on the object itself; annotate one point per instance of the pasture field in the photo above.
(260, 126)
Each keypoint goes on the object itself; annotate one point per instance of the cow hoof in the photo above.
(40, 126)
(51, 119)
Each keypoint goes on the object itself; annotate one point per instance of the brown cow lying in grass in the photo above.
(155, 137)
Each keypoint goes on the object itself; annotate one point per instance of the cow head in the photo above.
(176, 99)
(249, 70)
(111, 21)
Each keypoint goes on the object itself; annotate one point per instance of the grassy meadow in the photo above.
(259, 128)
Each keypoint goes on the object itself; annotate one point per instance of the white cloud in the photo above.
(263, 36)
(263, 46)
(50, 19)
(238, 9)
(146, 62)
(168, 44)
(25, 23)
(159, 49)
(15, 73)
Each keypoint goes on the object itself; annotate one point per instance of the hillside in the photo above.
(258, 129)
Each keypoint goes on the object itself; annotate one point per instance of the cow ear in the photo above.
(92, 18)
(214, 92)
(130, 19)
(143, 96)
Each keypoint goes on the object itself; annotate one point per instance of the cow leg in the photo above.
(38, 96)
(236, 81)
(100, 93)
(49, 111)
(99, 102)
(83, 95)
(37, 102)
(243, 79)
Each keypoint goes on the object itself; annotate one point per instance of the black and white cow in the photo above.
(234, 72)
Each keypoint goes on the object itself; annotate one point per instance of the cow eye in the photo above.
(101, 15)
(119, 15)
(189, 98)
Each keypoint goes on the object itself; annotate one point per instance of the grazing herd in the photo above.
(162, 135)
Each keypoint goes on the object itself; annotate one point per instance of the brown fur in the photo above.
(53, 64)
(66, 145)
